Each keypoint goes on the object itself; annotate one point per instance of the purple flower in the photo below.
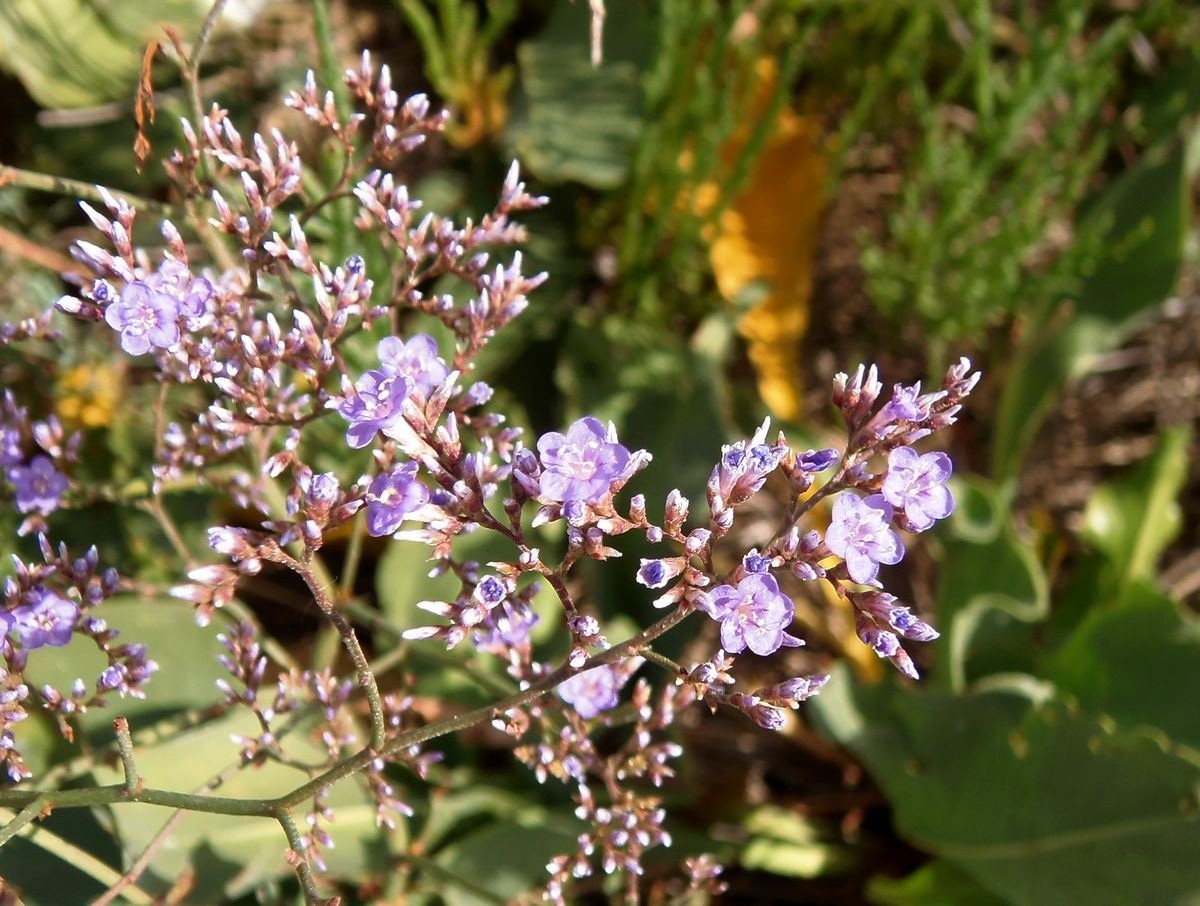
(191, 294)
(754, 562)
(10, 446)
(861, 534)
(392, 496)
(417, 360)
(194, 302)
(753, 615)
(145, 317)
(592, 691)
(818, 460)
(38, 486)
(490, 591)
(791, 692)
(113, 677)
(742, 470)
(372, 406)
(882, 607)
(583, 464)
(906, 404)
(47, 619)
(657, 573)
(506, 627)
(917, 485)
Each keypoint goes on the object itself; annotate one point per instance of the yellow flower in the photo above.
(87, 395)
(769, 234)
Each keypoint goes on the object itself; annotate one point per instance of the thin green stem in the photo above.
(191, 72)
(366, 679)
(272, 808)
(22, 818)
(312, 894)
(142, 862)
(133, 781)
(327, 50)
(358, 532)
(74, 188)
(663, 661)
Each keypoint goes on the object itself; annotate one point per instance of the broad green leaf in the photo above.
(1169, 100)
(1133, 518)
(186, 655)
(233, 855)
(1041, 367)
(471, 804)
(1038, 802)
(402, 580)
(42, 878)
(500, 861)
(1140, 223)
(1137, 661)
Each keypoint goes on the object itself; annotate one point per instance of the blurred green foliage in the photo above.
(77, 53)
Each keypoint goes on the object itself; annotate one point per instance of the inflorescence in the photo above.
(266, 342)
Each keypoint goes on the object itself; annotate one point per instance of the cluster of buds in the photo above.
(39, 480)
(46, 605)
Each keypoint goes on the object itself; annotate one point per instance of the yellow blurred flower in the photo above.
(769, 234)
(86, 395)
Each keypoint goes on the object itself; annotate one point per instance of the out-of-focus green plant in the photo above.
(1008, 140)
(458, 45)
(1009, 106)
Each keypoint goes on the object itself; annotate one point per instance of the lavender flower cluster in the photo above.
(266, 342)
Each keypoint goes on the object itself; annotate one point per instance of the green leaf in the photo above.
(573, 121)
(1137, 662)
(1141, 223)
(74, 53)
(402, 580)
(936, 884)
(1132, 519)
(186, 655)
(785, 843)
(1041, 367)
(40, 877)
(992, 590)
(1036, 801)
(467, 805)
(500, 861)
(233, 855)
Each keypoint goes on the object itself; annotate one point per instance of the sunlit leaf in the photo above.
(1133, 518)
(1138, 661)
(937, 883)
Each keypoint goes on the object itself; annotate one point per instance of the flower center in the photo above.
(580, 461)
